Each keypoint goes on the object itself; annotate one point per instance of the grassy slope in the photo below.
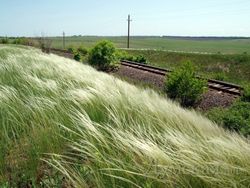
(236, 68)
(112, 133)
(229, 46)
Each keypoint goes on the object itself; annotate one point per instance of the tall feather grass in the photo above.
(98, 131)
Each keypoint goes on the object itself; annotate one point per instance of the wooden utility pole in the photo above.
(129, 20)
(63, 40)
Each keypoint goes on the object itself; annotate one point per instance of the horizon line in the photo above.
(162, 36)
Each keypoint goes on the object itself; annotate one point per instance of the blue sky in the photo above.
(108, 17)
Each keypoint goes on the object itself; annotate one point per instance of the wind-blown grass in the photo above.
(98, 131)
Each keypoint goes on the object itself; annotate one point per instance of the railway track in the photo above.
(213, 84)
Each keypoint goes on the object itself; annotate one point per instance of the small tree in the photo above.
(183, 86)
(103, 56)
(5, 40)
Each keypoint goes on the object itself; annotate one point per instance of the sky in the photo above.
(108, 17)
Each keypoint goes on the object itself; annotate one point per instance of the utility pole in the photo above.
(63, 40)
(129, 20)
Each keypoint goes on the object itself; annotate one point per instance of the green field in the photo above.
(228, 46)
(64, 123)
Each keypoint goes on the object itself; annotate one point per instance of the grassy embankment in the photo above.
(99, 131)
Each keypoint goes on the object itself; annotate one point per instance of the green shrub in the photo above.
(82, 51)
(246, 94)
(16, 41)
(78, 53)
(71, 49)
(141, 59)
(138, 59)
(236, 118)
(22, 41)
(121, 54)
(5, 40)
(183, 86)
(77, 56)
(103, 56)
(130, 58)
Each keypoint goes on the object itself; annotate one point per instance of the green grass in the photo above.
(236, 117)
(227, 46)
(60, 118)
